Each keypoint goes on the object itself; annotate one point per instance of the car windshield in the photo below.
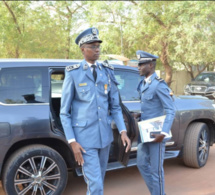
(206, 77)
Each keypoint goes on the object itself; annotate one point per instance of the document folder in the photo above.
(151, 126)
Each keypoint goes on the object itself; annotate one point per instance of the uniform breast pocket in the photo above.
(148, 97)
(85, 93)
(80, 124)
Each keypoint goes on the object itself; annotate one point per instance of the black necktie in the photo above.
(144, 83)
(94, 71)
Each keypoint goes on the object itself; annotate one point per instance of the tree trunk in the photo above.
(68, 36)
(189, 70)
(164, 60)
(17, 53)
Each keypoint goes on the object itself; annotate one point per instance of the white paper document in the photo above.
(151, 126)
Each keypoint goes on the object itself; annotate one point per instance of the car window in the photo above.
(56, 84)
(206, 77)
(128, 82)
(24, 85)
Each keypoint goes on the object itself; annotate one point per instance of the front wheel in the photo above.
(35, 170)
(196, 145)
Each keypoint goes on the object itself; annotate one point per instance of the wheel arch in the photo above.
(211, 126)
(53, 143)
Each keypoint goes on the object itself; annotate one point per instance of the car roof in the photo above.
(11, 63)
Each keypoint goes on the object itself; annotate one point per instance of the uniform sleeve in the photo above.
(66, 105)
(162, 92)
(114, 104)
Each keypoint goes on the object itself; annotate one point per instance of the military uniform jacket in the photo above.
(88, 107)
(156, 101)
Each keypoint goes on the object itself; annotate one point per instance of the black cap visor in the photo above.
(145, 62)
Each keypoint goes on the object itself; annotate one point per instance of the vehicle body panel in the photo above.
(35, 122)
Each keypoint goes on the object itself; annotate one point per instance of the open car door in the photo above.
(132, 132)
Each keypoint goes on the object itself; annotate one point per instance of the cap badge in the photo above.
(94, 31)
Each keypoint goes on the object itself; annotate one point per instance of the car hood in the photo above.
(192, 97)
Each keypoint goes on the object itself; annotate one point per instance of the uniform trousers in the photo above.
(150, 157)
(94, 168)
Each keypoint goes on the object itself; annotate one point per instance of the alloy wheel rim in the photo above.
(203, 146)
(39, 175)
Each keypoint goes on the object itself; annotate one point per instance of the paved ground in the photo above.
(180, 180)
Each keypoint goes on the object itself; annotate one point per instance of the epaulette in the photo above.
(107, 65)
(159, 79)
(72, 67)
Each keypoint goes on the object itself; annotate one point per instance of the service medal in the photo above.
(105, 86)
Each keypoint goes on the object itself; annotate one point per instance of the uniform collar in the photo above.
(89, 64)
(86, 65)
(150, 78)
(147, 79)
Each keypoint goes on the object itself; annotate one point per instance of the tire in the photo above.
(196, 145)
(35, 169)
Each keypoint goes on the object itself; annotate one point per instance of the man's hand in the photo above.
(125, 140)
(77, 150)
(158, 137)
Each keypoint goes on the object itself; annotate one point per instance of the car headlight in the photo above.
(187, 88)
(211, 88)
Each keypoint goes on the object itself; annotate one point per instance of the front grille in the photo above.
(198, 89)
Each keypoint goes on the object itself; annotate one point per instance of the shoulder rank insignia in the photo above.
(107, 65)
(159, 79)
(72, 67)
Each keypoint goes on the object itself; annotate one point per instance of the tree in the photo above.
(197, 38)
(114, 20)
(181, 33)
(16, 11)
(174, 31)
(68, 15)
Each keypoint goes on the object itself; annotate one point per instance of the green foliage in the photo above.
(182, 33)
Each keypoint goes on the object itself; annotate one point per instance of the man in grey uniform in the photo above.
(155, 101)
(90, 100)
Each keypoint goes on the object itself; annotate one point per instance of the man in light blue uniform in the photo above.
(155, 101)
(90, 100)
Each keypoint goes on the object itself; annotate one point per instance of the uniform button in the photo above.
(96, 85)
(76, 124)
(99, 107)
(100, 119)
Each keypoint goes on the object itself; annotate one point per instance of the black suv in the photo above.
(35, 155)
(203, 84)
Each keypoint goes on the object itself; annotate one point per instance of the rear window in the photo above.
(24, 85)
